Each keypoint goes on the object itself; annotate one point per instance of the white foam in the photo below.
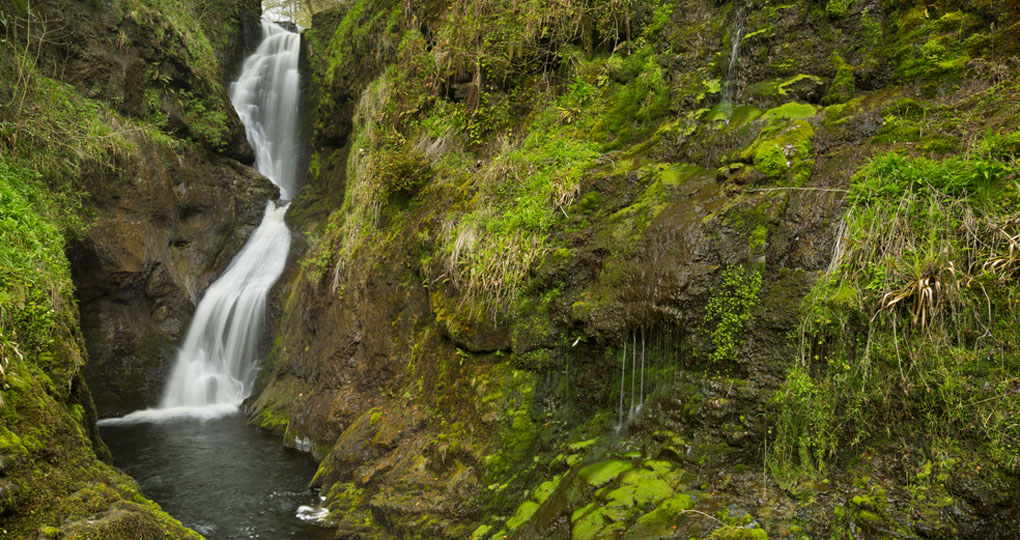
(313, 514)
(152, 416)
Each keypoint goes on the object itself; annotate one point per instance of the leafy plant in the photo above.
(729, 310)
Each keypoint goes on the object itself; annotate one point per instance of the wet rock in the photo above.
(165, 226)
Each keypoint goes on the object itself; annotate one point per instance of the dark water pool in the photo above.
(220, 477)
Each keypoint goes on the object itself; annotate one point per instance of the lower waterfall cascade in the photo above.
(216, 365)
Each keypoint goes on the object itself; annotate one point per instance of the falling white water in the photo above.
(266, 97)
(216, 365)
(623, 377)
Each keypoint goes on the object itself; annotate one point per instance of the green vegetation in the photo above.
(729, 310)
(35, 279)
(537, 141)
(52, 130)
(501, 190)
(843, 86)
(934, 46)
(552, 177)
(913, 326)
(837, 8)
(60, 140)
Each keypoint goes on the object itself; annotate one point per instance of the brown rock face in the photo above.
(164, 227)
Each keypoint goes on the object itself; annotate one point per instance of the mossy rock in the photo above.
(546, 488)
(791, 111)
(600, 474)
(663, 519)
(843, 86)
(587, 522)
(639, 487)
(802, 87)
(783, 149)
(523, 514)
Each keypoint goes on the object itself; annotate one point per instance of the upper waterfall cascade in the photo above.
(216, 366)
(266, 97)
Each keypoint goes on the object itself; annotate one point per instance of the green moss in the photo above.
(272, 419)
(598, 474)
(641, 487)
(787, 86)
(523, 514)
(743, 116)
(734, 532)
(783, 150)
(661, 521)
(843, 87)
(837, 8)
(587, 522)
(771, 160)
(482, 532)
(934, 49)
(635, 108)
(790, 111)
(578, 446)
(10, 443)
(517, 431)
(545, 489)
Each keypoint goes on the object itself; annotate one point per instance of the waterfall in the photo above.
(266, 97)
(216, 366)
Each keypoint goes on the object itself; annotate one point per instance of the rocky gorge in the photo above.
(587, 269)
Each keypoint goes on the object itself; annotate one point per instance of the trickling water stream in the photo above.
(654, 357)
(194, 454)
(738, 35)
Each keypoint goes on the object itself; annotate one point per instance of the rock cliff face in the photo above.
(562, 276)
(165, 226)
(153, 64)
(570, 270)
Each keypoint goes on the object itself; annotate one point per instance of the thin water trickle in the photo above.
(654, 367)
(727, 95)
(633, 370)
(641, 396)
(623, 377)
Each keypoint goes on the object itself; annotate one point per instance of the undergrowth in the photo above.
(729, 310)
(35, 278)
(503, 126)
(913, 332)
